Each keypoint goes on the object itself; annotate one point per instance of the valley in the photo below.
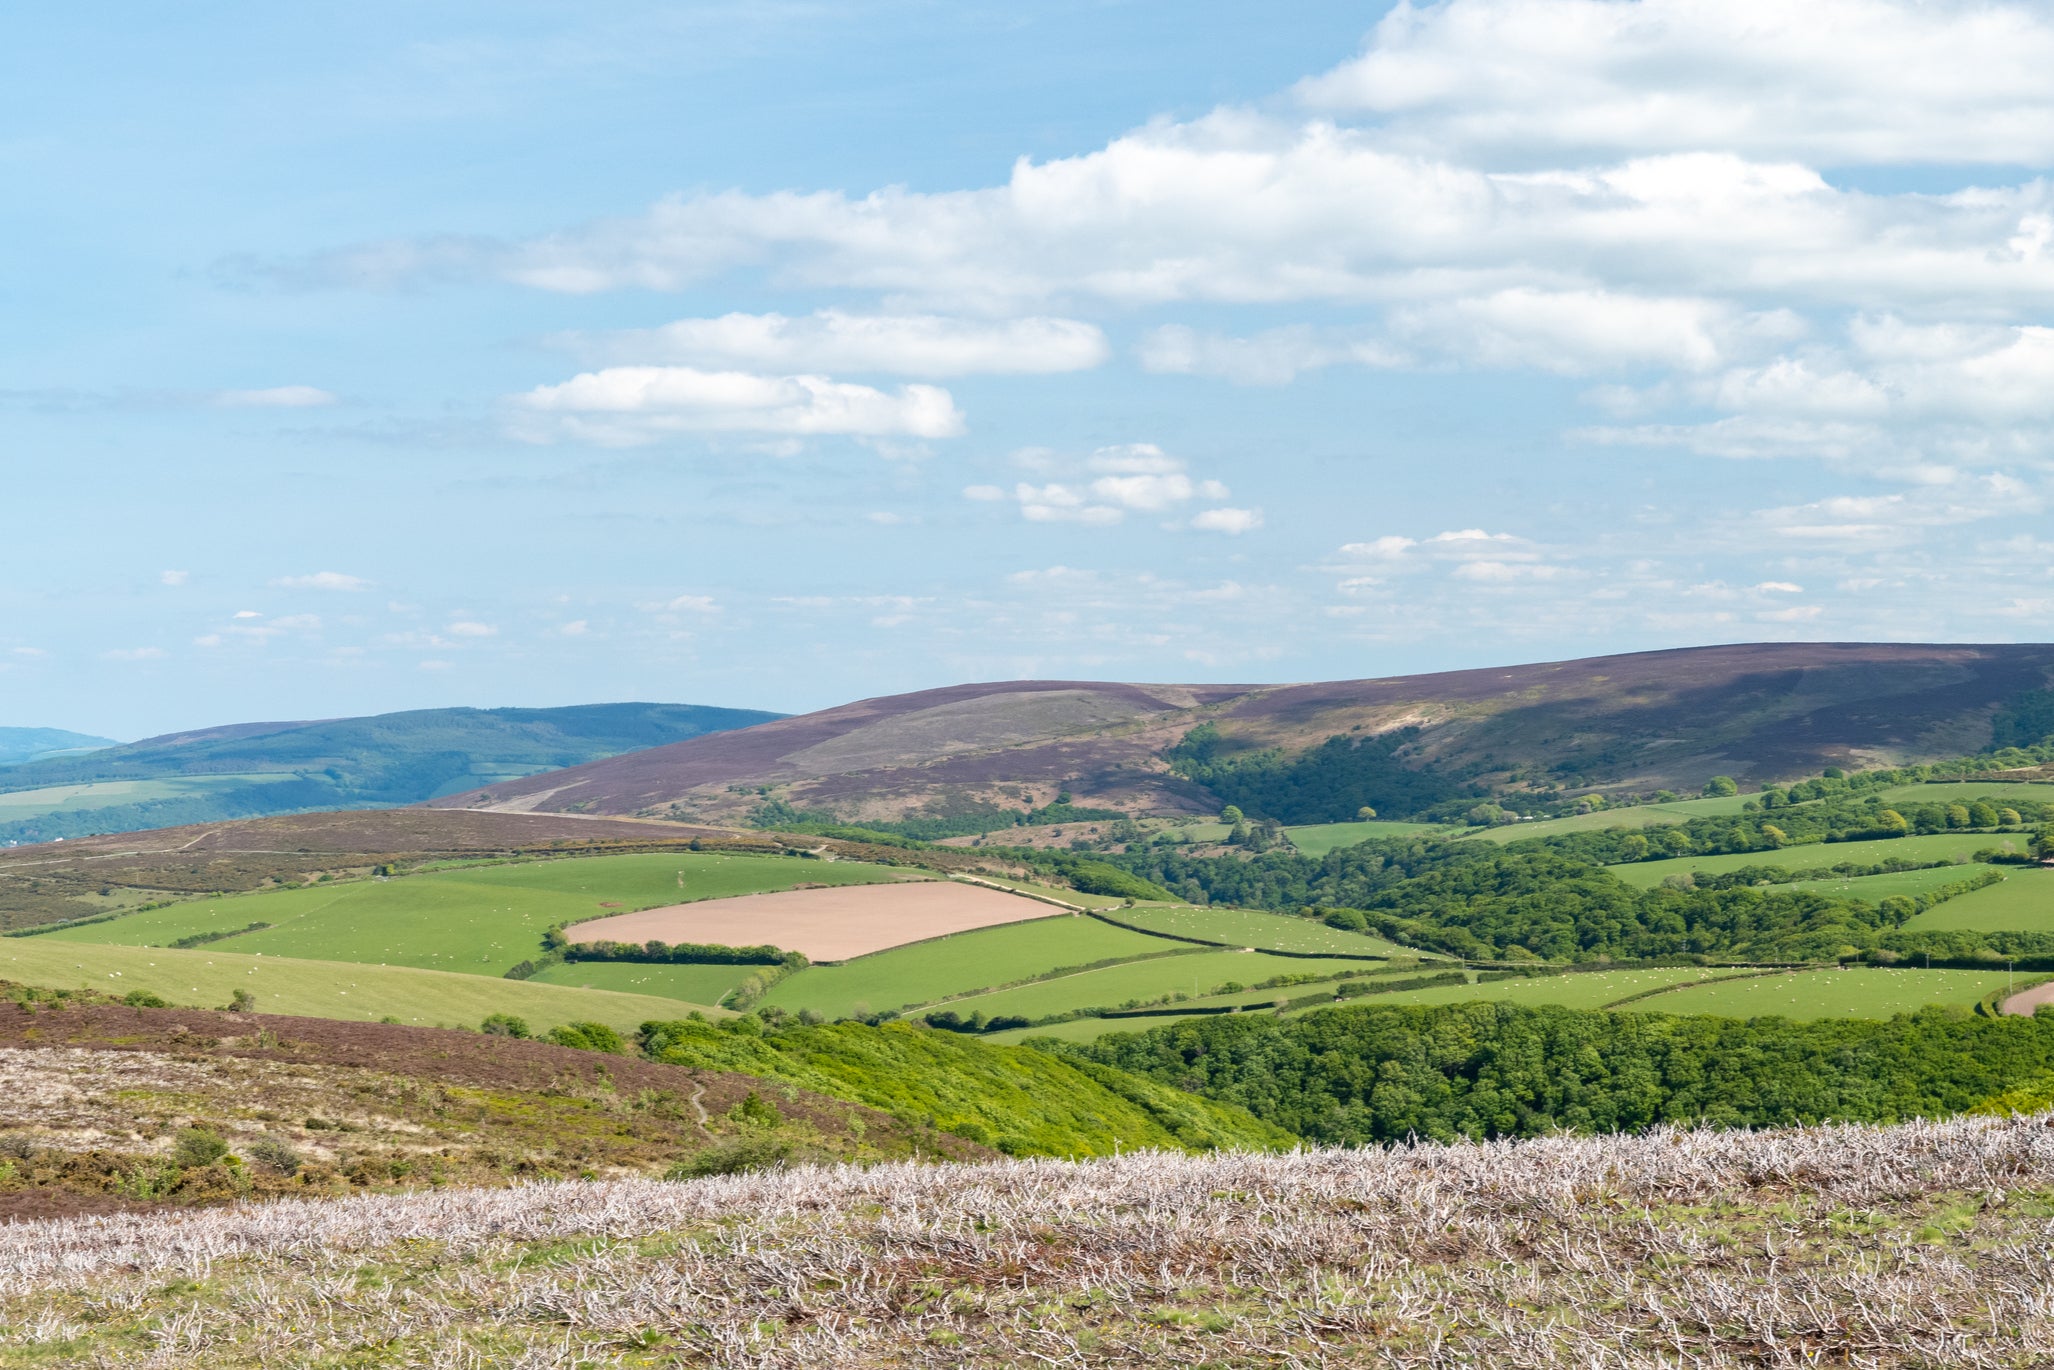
(334, 1006)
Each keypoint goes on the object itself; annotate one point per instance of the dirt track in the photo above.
(827, 925)
(2025, 1001)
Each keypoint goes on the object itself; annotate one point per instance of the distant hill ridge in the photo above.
(27, 744)
(1638, 722)
(250, 769)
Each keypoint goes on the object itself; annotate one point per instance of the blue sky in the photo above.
(382, 356)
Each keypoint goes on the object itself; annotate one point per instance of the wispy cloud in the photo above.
(322, 580)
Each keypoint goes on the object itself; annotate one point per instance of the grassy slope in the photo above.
(1639, 816)
(1195, 975)
(1020, 1100)
(1874, 888)
(692, 984)
(960, 964)
(1594, 989)
(1937, 847)
(1998, 792)
(480, 920)
(1254, 928)
(1804, 994)
(81, 798)
(318, 989)
(1584, 989)
(1317, 839)
(2023, 903)
(1854, 993)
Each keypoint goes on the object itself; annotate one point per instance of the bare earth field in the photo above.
(1918, 1245)
(827, 925)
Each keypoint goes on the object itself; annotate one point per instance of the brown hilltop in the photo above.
(1645, 720)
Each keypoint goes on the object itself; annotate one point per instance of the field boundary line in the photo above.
(1105, 917)
(1024, 894)
(1708, 980)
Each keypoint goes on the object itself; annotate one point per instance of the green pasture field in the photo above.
(1317, 839)
(1197, 974)
(1875, 888)
(481, 920)
(1998, 792)
(1588, 990)
(1263, 931)
(319, 989)
(17, 805)
(1946, 846)
(693, 984)
(961, 964)
(1578, 989)
(1635, 816)
(1267, 998)
(1860, 992)
(2023, 903)
(1082, 1029)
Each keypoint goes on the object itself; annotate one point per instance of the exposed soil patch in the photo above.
(825, 924)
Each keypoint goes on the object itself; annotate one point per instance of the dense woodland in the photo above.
(1359, 1075)
(1329, 783)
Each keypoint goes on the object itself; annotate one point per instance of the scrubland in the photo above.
(1918, 1245)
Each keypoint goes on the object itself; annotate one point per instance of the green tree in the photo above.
(2009, 818)
(1957, 815)
(1721, 786)
(1365, 814)
(1232, 815)
(1889, 820)
(1982, 814)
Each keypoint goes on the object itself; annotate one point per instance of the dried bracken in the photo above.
(1924, 1244)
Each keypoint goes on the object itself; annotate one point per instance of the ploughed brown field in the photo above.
(825, 924)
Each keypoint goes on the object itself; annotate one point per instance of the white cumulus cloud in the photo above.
(630, 405)
(1109, 484)
(1225, 520)
(1834, 82)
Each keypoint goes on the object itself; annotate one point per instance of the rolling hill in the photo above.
(1641, 722)
(30, 744)
(251, 769)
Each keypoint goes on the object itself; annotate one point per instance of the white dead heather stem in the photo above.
(1907, 1245)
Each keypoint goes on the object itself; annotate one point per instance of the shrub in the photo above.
(142, 998)
(733, 1158)
(274, 1155)
(242, 1001)
(505, 1025)
(197, 1146)
(756, 1111)
(588, 1037)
